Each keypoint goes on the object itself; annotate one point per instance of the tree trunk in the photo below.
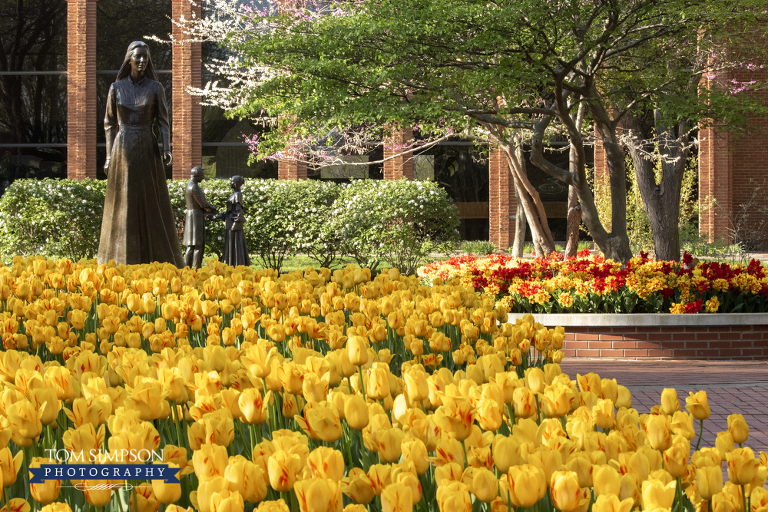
(541, 236)
(520, 228)
(662, 200)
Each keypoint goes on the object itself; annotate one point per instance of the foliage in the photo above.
(396, 222)
(55, 218)
(373, 66)
(591, 284)
(481, 247)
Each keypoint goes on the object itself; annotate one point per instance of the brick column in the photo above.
(187, 113)
(401, 166)
(291, 170)
(715, 184)
(81, 89)
(502, 200)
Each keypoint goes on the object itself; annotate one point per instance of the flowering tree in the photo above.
(332, 78)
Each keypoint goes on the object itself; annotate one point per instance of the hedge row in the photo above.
(396, 223)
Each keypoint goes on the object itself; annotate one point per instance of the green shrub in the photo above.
(53, 218)
(394, 222)
(479, 247)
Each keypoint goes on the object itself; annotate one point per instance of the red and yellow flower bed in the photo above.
(590, 284)
(317, 391)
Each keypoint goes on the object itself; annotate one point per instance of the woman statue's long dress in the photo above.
(235, 249)
(138, 224)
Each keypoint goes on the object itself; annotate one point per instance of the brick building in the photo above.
(54, 107)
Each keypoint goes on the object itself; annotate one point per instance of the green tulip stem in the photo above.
(135, 497)
(177, 422)
(464, 448)
(362, 383)
(744, 498)
(701, 432)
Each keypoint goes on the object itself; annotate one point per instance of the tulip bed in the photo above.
(590, 284)
(320, 391)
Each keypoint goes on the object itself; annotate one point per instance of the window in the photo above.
(33, 90)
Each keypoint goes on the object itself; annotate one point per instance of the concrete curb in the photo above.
(645, 319)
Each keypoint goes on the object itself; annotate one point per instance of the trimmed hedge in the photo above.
(374, 221)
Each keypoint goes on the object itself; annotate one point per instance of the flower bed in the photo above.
(589, 284)
(320, 392)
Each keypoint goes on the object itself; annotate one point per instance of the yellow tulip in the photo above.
(603, 414)
(397, 497)
(63, 507)
(524, 402)
(321, 421)
(738, 428)
(273, 506)
(669, 401)
(658, 431)
(556, 401)
(527, 485)
(724, 502)
(358, 486)
(326, 463)
(356, 412)
(166, 492)
(377, 385)
(252, 405)
(566, 492)
(488, 415)
(454, 496)
(145, 499)
(606, 480)
(698, 405)
(388, 442)
(709, 480)
(676, 459)
(227, 501)
(97, 492)
(612, 503)
(210, 461)
(282, 469)
(483, 484)
(318, 494)
(658, 495)
(357, 349)
(724, 443)
(742, 465)
(25, 422)
(415, 452)
(49, 490)
(582, 466)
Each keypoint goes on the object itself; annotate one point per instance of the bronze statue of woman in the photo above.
(138, 224)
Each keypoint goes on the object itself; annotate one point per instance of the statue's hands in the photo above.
(168, 158)
(106, 166)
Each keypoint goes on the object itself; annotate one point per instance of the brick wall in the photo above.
(691, 342)
(187, 112)
(291, 170)
(81, 89)
(397, 164)
(502, 200)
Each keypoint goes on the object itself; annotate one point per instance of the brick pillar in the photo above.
(81, 89)
(187, 113)
(401, 166)
(502, 200)
(291, 170)
(715, 184)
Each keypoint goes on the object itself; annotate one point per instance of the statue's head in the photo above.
(237, 182)
(197, 173)
(137, 56)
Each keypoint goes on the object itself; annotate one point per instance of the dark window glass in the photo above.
(31, 162)
(33, 109)
(120, 22)
(33, 35)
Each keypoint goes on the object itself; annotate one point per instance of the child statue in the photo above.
(235, 249)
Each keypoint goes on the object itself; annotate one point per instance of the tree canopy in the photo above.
(333, 77)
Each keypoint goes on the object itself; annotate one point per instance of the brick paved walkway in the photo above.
(732, 387)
